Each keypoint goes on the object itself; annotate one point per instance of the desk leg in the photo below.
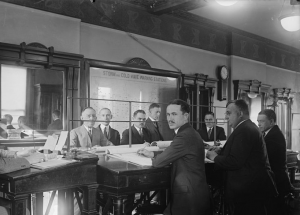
(118, 203)
(292, 175)
(70, 201)
(61, 198)
(89, 199)
(39, 203)
(19, 204)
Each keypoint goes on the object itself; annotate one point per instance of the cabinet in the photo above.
(47, 99)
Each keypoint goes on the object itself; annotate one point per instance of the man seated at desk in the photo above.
(86, 136)
(25, 130)
(56, 125)
(207, 133)
(9, 120)
(190, 193)
(105, 130)
(140, 134)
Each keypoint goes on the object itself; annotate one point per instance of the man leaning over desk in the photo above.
(248, 178)
(190, 193)
(86, 136)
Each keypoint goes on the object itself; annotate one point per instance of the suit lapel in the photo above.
(86, 134)
(136, 134)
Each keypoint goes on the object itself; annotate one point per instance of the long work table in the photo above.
(18, 186)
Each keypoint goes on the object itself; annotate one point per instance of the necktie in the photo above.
(141, 132)
(264, 134)
(106, 132)
(155, 124)
(209, 132)
(90, 133)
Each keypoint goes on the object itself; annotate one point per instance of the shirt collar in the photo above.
(153, 120)
(87, 128)
(207, 128)
(103, 127)
(240, 123)
(136, 128)
(176, 130)
(267, 131)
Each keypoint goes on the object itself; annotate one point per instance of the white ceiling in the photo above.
(259, 17)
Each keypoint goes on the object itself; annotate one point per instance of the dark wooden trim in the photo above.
(134, 69)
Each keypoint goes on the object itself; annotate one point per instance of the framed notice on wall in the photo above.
(125, 89)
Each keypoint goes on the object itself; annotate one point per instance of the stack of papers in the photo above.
(52, 163)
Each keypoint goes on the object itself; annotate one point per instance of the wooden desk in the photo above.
(17, 186)
(118, 179)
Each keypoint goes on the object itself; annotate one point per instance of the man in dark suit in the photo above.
(86, 136)
(56, 125)
(105, 130)
(140, 134)
(190, 194)
(248, 177)
(208, 132)
(152, 123)
(276, 147)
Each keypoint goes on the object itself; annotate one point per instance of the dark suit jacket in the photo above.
(10, 127)
(55, 125)
(190, 194)
(113, 135)
(220, 134)
(79, 137)
(154, 131)
(136, 137)
(276, 148)
(244, 159)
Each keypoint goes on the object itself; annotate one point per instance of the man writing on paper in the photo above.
(86, 136)
(152, 123)
(105, 130)
(140, 134)
(247, 175)
(190, 194)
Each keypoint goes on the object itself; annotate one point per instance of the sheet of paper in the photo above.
(161, 144)
(212, 143)
(52, 163)
(50, 143)
(62, 140)
(133, 158)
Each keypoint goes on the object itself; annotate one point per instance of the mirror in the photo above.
(31, 102)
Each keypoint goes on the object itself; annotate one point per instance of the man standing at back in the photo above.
(105, 130)
(86, 136)
(244, 161)
(152, 123)
(56, 125)
(190, 194)
(276, 147)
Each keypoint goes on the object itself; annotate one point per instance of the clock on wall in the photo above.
(223, 75)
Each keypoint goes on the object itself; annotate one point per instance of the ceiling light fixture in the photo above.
(252, 95)
(226, 3)
(291, 21)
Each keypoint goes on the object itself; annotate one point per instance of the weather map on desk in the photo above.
(127, 86)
